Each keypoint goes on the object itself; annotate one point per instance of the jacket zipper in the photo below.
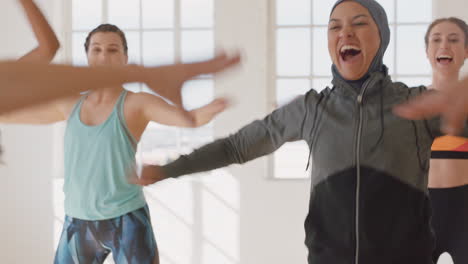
(357, 148)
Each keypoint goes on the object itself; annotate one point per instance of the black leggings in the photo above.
(450, 222)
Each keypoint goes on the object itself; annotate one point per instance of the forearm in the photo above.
(198, 118)
(48, 43)
(161, 112)
(175, 116)
(48, 113)
(203, 115)
(251, 142)
(23, 84)
(209, 157)
(29, 118)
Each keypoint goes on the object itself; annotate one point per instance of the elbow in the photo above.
(50, 50)
(193, 122)
(53, 49)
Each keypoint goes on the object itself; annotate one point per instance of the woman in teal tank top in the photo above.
(103, 129)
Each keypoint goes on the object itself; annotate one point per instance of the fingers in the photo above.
(424, 106)
(150, 174)
(451, 104)
(220, 104)
(142, 181)
(135, 181)
(224, 62)
(220, 63)
(139, 181)
(175, 75)
(206, 113)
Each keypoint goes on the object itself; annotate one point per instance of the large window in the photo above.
(301, 60)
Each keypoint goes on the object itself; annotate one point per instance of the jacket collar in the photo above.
(372, 83)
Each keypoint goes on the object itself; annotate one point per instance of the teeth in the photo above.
(349, 47)
(444, 57)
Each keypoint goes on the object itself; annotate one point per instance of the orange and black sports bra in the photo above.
(449, 147)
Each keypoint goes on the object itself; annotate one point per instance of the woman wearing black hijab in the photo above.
(369, 200)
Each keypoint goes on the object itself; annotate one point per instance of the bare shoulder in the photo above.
(142, 99)
(141, 96)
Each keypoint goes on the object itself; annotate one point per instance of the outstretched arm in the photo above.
(48, 43)
(156, 109)
(255, 140)
(24, 84)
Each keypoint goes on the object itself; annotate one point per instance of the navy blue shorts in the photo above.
(129, 237)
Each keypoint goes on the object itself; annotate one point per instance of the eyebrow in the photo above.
(450, 35)
(359, 16)
(97, 43)
(355, 17)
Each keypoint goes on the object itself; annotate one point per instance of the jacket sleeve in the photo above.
(254, 140)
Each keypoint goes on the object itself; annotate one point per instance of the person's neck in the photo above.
(439, 79)
(107, 94)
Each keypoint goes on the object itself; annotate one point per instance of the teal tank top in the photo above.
(98, 160)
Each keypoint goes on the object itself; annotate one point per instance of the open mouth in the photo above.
(444, 59)
(348, 52)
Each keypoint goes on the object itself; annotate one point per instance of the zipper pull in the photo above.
(359, 99)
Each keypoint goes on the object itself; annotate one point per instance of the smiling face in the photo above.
(353, 39)
(446, 48)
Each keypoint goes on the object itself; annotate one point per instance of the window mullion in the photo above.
(105, 11)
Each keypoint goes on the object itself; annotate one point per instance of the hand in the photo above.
(451, 102)
(149, 174)
(218, 64)
(167, 81)
(205, 114)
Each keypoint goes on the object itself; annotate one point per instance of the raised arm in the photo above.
(48, 43)
(23, 84)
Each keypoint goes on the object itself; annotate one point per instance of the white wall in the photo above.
(271, 212)
(458, 8)
(25, 192)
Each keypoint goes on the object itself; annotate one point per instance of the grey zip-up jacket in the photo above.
(368, 202)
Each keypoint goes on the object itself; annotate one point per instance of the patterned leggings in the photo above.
(129, 237)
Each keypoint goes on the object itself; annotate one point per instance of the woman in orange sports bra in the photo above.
(447, 48)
